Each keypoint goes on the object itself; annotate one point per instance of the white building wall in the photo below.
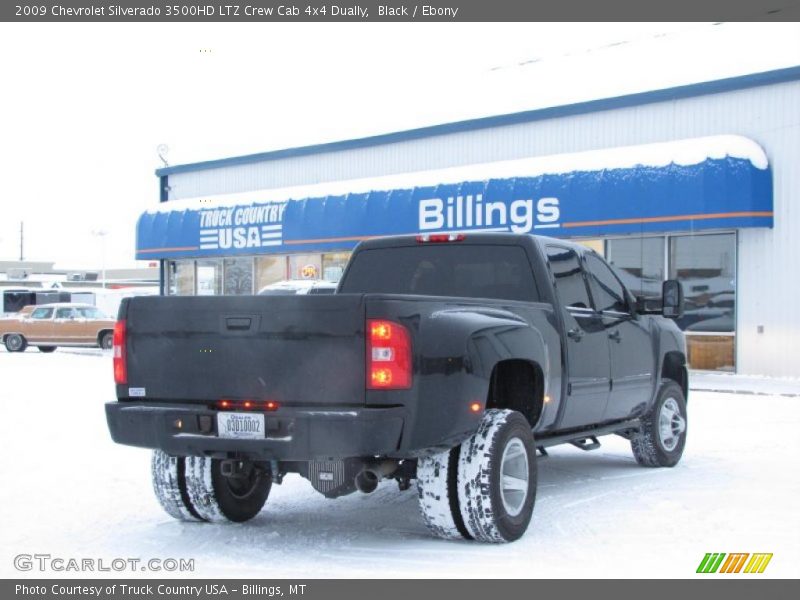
(768, 280)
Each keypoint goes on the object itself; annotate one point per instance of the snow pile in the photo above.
(687, 152)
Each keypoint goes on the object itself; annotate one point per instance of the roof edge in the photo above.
(625, 101)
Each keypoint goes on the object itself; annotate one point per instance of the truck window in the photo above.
(467, 271)
(569, 281)
(607, 291)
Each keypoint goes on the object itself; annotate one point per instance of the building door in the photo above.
(586, 340)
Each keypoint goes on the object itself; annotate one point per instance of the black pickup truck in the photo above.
(447, 359)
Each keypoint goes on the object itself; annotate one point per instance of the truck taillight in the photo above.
(120, 363)
(388, 356)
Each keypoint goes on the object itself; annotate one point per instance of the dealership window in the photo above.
(269, 269)
(305, 266)
(333, 265)
(706, 265)
(595, 244)
(209, 277)
(639, 263)
(180, 278)
(238, 276)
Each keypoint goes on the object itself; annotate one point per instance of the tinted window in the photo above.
(42, 313)
(606, 289)
(466, 271)
(64, 313)
(639, 262)
(568, 275)
(706, 265)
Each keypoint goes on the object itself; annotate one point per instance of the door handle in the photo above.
(575, 333)
(616, 336)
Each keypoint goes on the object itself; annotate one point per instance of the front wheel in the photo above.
(216, 497)
(497, 478)
(16, 343)
(661, 440)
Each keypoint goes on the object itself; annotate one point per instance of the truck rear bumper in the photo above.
(291, 433)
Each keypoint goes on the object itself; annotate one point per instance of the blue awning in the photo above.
(689, 185)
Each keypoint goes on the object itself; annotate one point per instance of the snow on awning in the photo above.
(687, 185)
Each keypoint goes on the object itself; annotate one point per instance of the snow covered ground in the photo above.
(68, 491)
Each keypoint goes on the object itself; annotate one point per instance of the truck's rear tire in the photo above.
(437, 488)
(15, 342)
(497, 478)
(169, 485)
(661, 440)
(218, 498)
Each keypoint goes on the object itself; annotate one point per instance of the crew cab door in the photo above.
(630, 344)
(585, 339)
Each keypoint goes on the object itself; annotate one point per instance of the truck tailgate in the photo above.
(296, 350)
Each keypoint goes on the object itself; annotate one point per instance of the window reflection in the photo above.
(180, 278)
(706, 265)
(238, 276)
(639, 264)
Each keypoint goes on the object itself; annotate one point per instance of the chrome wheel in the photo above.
(671, 424)
(13, 343)
(514, 477)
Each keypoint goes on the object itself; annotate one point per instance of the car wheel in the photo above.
(46, 349)
(16, 343)
(218, 498)
(660, 441)
(169, 484)
(107, 341)
(497, 478)
(437, 488)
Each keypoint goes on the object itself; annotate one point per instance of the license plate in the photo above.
(240, 426)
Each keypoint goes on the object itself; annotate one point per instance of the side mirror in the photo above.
(672, 292)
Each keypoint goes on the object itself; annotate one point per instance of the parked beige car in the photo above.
(48, 326)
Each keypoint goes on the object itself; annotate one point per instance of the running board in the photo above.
(581, 438)
(586, 444)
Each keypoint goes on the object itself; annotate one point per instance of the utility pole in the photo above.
(21, 238)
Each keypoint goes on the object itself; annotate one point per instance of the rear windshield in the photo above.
(467, 271)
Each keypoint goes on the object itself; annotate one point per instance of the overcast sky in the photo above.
(84, 106)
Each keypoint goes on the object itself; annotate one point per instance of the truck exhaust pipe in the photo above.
(371, 475)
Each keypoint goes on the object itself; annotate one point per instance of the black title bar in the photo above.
(428, 11)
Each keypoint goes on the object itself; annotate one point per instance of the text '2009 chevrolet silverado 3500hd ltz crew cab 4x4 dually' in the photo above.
(447, 359)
